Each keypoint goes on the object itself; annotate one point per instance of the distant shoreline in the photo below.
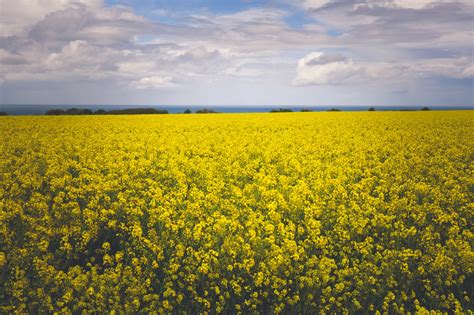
(34, 110)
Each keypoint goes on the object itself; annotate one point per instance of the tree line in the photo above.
(142, 111)
(371, 109)
(127, 111)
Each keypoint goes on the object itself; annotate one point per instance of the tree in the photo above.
(371, 109)
(137, 111)
(86, 112)
(188, 111)
(425, 108)
(3, 114)
(304, 110)
(55, 112)
(127, 111)
(281, 110)
(73, 111)
(205, 111)
(334, 110)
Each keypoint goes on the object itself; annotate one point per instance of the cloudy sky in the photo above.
(237, 52)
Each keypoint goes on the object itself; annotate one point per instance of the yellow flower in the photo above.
(299, 212)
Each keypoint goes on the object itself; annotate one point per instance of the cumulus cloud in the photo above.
(319, 68)
(78, 41)
(86, 40)
(154, 82)
(393, 40)
(417, 4)
(457, 68)
(398, 24)
(9, 58)
(468, 72)
(86, 60)
(387, 41)
(103, 26)
(16, 17)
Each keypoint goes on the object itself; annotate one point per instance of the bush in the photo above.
(127, 111)
(371, 109)
(77, 111)
(3, 114)
(187, 111)
(55, 112)
(70, 111)
(281, 110)
(137, 111)
(206, 111)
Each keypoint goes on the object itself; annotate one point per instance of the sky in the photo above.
(237, 52)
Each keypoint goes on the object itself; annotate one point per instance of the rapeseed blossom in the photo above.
(239, 213)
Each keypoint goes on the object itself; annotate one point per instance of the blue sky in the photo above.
(241, 52)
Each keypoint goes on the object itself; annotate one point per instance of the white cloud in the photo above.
(17, 16)
(311, 4)
(154, 82)
(420, 4)
(405, 4)
(457, 68)
(83, 41)
(10, 59)
(416, 4)
(319, 68)
(468, 72)
(389, 41)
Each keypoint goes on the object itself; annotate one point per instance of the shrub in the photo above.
(206, 111)
(281, 110)
(137, 111)
(55, 112)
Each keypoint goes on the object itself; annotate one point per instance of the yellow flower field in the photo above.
(252, 213)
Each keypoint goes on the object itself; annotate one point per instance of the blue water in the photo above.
(41, 109)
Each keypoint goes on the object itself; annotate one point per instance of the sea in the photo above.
(40, 109)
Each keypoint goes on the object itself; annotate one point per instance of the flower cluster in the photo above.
(237, 213)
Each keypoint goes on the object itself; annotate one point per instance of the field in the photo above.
(228, 213)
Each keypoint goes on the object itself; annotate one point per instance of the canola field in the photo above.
(237, 213)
